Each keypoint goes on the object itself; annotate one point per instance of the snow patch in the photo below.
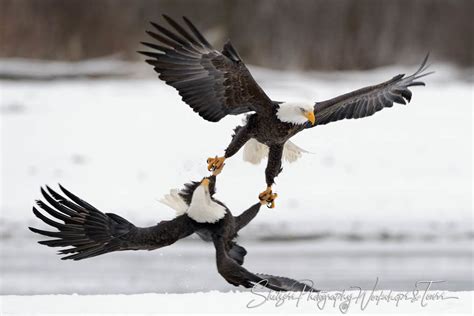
(242, 302)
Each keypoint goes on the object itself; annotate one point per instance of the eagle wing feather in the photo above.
(214, 84)
(89, 232)
(369, 100)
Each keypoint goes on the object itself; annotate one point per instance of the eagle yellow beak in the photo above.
(205, 182)
(310, 116)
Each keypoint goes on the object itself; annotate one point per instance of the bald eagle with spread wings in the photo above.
(85, 232)
(216, 84)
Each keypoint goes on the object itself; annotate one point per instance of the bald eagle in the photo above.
(216, 84)
(89, 232)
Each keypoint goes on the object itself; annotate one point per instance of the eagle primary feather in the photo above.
(212, 83)
(369, 100)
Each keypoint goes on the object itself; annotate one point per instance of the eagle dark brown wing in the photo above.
(213, 83)
(88, 232)
(366, 101)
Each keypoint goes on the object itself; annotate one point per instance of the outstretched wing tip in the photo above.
(43, 191)
(185, 19)
(398, 77)
(423, 67)
(369, 100)
(427, 56)
(146, 53)
(63, 189)
(51, 191)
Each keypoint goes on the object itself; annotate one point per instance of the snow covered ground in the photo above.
(402, 178)
(350, 302)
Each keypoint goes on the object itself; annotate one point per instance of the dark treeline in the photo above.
(301, 34)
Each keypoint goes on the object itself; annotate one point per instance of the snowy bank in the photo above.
(21, 69)
(350, 302)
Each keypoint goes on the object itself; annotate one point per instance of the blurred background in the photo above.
(282, 34)
(386, 197)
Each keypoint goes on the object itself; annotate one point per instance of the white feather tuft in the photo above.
(255, 152)
(292, 152)
(174, 201)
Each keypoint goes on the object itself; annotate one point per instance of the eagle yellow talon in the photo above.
(267, 197)
(215, 164)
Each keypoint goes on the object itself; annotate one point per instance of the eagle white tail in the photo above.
(174, 201)
(292, 152)
(254, 151)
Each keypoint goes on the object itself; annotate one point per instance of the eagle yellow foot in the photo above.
(215, 164)
(268, 197)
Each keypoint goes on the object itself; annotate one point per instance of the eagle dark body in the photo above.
(88, 232)
(268, 130)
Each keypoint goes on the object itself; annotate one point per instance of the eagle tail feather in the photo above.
(255, 152)
(175, 201)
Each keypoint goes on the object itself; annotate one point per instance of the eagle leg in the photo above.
(215, 164)
(268, 197)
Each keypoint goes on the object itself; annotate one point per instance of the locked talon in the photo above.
(267, 197)
(210, 163)
(215, 164)
(265, 194)
(271, 200)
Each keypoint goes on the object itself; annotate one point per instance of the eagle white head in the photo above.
(296, 112)
(196, 200)
(203, 208)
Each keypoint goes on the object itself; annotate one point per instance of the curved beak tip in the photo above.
(310, 116)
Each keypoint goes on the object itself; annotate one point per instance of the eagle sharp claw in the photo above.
(267, 197)
(215, 164)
